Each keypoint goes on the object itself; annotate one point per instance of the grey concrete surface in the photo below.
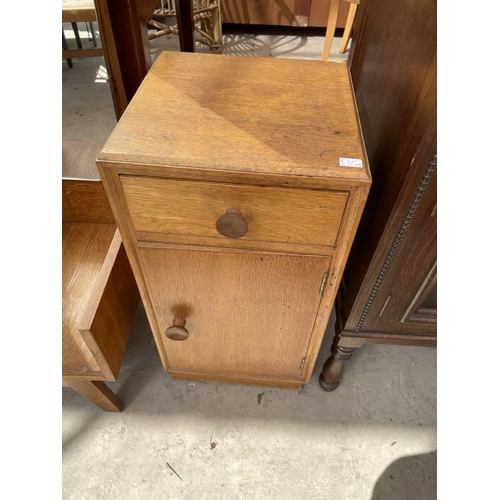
(374, 438)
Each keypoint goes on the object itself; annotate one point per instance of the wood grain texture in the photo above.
(107, 319)
(352, 216)
(73, 53)
(220, 248)
(357, 339)
(85, 201)
(123, 31)
(409, 284)
(260, 325)
(148, 239)
(395, 254)
(349, 338)
(429, 295)
(114, 191)
(107, 28)
(267, 12)
(397, 106)
(240, 121)
(300, 13)
(393, 61)
(404, 254)
(301, 10)
(131, 41)
(78, 159)
(272, 214)
(269, 178)
(224, 378)
(84, 250)
(318, 15)
(80, 11)
(189, 124)
(97, 392)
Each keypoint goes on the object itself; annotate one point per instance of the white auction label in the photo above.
(351, 162)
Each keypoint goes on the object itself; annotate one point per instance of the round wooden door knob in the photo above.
(177, 330)
(232, 224)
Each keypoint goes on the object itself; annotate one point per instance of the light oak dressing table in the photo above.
(99, 293)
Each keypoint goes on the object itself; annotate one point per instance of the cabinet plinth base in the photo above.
(237, 379)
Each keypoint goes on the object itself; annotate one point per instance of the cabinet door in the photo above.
(246, 313)
(407, 301)
(411, 303)
(423, 307)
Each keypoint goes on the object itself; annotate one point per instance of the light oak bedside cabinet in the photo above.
(237, 185)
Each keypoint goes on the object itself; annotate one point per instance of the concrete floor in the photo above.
(373, 438)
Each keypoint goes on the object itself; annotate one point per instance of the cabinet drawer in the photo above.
(271, 214)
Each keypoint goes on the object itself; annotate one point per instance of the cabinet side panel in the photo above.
(114, 192)
(85, 201)
(109, 331)
(350, 221)
(84, 250)
(394, 75)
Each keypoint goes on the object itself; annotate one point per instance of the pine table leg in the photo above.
(330, 28)
(348, 27)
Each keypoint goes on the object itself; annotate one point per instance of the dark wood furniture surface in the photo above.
(99, 292)
(300, 13)
(389, 294)
(125, 42)
(238, 210)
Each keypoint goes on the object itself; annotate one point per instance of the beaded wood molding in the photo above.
(400, 236)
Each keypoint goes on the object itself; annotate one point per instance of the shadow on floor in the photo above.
(413, 477)
(376, 390)
(247, 45)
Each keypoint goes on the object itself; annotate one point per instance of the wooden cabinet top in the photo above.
(243, 114)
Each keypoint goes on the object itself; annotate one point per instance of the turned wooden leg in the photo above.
(330, 28)
(98, 393)
(334, 367)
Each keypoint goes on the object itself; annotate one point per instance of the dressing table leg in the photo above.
(98, 393)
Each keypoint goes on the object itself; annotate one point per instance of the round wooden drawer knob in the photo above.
(177, 330)
(232, 224)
